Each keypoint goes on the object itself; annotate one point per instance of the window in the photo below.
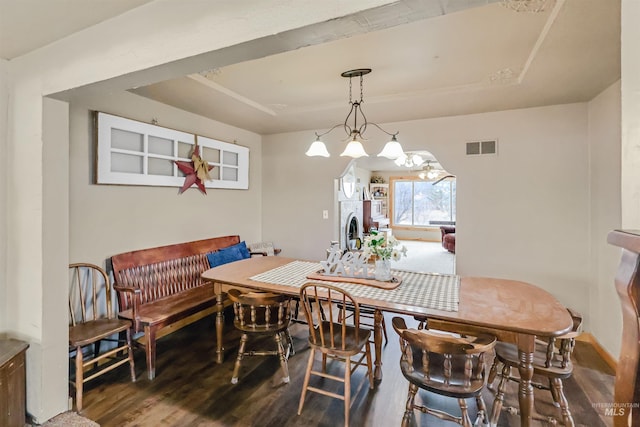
(137, 153)
(419, 203)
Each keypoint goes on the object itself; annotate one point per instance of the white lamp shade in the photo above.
(317, 149)
(417, 159)
(392, 150)
(354, 149)
(400, 160)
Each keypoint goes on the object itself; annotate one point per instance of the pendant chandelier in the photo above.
(392, 149)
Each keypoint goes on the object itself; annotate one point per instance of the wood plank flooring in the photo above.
(190, 389)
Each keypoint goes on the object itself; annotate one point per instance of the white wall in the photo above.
(523, 214)
(296, 189)
(604, 161)
(630, 115)
(110, 219)
(4, 101)
(47, 355)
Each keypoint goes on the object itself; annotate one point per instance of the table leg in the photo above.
(377, 341)
(526, 344)
(219, 324)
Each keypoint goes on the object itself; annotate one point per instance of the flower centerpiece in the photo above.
(384, 249)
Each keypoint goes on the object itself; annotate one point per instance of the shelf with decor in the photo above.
(380, 192)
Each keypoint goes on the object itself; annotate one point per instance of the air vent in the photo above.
(477, 148)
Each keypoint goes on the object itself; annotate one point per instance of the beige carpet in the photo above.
(426, 257)
(70, 419)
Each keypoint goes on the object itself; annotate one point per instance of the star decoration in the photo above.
(196, 171)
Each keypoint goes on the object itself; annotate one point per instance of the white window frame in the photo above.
(105, 173)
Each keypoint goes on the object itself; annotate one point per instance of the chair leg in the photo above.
(554, 394)
(236, 368)
(150, 349)
(492, 373)
(307, 375)
(482, 409)
(406, 419)
(132, 366)
(283, 359)
(96, 349)
(79, 378)
(384, 331)
(292, 350)
(465, 420)
(497, 403)
(567, 418)
(347, 390)
(369, 365)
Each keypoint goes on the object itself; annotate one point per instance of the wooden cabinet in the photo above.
(12, 383)
(373, 215)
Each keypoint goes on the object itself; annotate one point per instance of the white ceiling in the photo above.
(479, 59)
(27, 25)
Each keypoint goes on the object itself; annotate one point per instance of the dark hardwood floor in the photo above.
(190, 389)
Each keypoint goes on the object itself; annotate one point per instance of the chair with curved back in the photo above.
(92, 320)
(331, 336)
(262, 313)
(551, 359)
(446, 365)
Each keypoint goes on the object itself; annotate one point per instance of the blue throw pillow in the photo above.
(227, 255)
(242, 246)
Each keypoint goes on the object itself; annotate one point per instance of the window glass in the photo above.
(422, 203)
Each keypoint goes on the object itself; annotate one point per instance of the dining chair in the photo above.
(551, 360)
(92, 321)
(446, 365)
(332, 336)
(262, 313)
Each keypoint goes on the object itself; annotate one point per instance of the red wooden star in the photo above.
(196, 171)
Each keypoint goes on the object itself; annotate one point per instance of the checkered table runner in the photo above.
(428, 290)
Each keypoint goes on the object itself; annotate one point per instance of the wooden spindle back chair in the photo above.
(333, 336)
(446, 365)
(93, 320)
(262, 313)
(551, 359)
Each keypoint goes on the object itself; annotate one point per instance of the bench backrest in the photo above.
(164, 270)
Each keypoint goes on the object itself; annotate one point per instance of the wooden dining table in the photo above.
(513, 311)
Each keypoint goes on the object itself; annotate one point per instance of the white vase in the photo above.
(383, 270)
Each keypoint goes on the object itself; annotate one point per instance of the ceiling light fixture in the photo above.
(533, 6)
(429, 172)
(392, 149)
(409, 160)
